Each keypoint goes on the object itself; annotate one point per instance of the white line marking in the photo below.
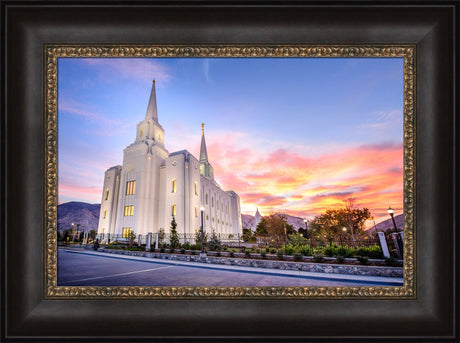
(135, 272)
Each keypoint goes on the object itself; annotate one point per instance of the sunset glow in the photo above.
(292, 135)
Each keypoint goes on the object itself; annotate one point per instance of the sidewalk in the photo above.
(387, 281)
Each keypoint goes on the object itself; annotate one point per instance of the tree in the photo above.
(330, 225)
(131, 236)
(274, 229)
(92, 234)
(214, 243)
(161, 236)
(173, 236)
(248, 236)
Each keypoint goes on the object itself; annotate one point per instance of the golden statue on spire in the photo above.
(202, 127)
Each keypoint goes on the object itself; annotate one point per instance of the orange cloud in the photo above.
(307, 186)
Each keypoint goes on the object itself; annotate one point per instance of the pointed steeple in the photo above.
(203, 151)
(205, 167)
(151, 112)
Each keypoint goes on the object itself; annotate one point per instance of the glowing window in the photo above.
(107, 194)
(174, 209)
(127, 232)
(105, 214)
(196, 188)
(174, 186)
(129, 210)
(131, 187)
(196, 212)
(142, 132)
(207, 218)
(103, 230)
(206, 198)
(212, 201)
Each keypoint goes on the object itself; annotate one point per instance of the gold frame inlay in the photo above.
(55, 51)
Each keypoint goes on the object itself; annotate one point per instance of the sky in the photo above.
(293, 135)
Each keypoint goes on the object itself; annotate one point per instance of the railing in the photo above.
(106, 238)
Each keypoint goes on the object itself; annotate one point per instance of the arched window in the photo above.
(174, 186)
(174, 209)
(107, 194)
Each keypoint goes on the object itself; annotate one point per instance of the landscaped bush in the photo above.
(218, 254)
(373, 251)
(298, 256)
(186, 246)
(280, 254)
(318, 258)
(171, 250)
(272, 251)
(193, 252)
(340, 259)
(263, 254)
(363, 259)
(162, 249)
(329, 250)
(182, 251)
(306, 250)
(345, 251)
(391, 262)
(247, 253)
(232, 254)
(288, 250)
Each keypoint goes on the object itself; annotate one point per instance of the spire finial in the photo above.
(153, 80)
(152, 112)
(202, 127)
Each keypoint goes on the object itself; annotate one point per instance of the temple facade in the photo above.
(153, 186)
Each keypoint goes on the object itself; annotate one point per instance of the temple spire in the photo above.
(151, 112)
(203, 151)
(205, 167)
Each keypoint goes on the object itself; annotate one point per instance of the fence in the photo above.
(142, 239)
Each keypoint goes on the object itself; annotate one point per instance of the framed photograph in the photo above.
(324, 127)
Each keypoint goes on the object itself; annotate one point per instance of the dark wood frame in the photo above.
(26, 27)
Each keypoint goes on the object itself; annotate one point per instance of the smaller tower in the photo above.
(257, 218)
(205, 167)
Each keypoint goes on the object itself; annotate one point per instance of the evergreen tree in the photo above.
(173, 237)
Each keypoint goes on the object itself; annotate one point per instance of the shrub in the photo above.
(162, 249)
(232, 254)
(391, 262)
(182, 251)
(267, 249)
(272, 251)
(340, 259)
(171, 250)
(288, 250)
(318, 258)
(214, 243)
(329, 250)
(373, 251)
(306, 250)
(247, 253)
(186, 246)
(193, 252)
(263, 254)
(298, 256)
(363, 259)
(218, 254)
(280, 255)
(198, 246)
(345, 251)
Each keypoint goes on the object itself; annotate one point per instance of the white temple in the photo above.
(153, 186)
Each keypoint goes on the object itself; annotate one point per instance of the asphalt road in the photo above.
(80, 269)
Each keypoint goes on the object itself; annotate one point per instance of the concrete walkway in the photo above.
(378, 280)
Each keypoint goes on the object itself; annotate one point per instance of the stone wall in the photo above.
(270, 264)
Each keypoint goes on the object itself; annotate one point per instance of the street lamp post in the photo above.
(392, 215)
(305, 220)
(202, 230)
(396, 235)
(73, 233)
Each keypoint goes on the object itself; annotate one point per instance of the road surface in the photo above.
(85, 268)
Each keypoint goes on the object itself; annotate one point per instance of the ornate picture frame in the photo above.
(36, 308)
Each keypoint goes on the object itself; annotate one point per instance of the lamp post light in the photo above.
(391, 213)
(73, 233)
(202, 229)
(305, 220)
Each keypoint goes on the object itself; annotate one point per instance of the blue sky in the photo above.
(313, 108)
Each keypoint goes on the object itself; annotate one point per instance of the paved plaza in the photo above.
(88, 268)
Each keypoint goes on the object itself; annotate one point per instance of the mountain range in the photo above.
(87, 215)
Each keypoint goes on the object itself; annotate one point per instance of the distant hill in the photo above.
(248, 221)
(87, 215)
(388, 224)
